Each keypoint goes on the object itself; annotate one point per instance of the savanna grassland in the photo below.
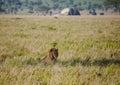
(89, 50)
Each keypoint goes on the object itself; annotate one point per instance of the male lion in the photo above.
(51, 56)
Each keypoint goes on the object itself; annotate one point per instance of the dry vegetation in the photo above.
(89, 50)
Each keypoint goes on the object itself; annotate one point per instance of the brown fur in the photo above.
(50, 56)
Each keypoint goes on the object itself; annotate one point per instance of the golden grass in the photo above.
(89, 50)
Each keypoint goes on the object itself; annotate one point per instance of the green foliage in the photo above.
(54, 44)
(33, 26)
(115, 3)
(51, 28)
(112, 2)
(21, 35)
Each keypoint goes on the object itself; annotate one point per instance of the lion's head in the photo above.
(53, 52)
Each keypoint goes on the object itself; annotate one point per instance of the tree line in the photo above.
(13, 6)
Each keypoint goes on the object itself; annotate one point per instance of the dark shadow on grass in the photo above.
(74, 62)
(30, 61)
(37, 61)
(87, 62)
(106, 62)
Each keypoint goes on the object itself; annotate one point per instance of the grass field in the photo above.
(89, 50)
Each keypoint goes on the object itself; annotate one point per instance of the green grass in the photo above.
(89, 50)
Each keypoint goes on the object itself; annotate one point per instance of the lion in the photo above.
(50, 56)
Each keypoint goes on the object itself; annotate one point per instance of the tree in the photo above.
(1, 3)
(115, 3)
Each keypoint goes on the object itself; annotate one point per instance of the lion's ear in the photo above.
(51, 50)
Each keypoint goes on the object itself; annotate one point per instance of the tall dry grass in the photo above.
(89, 50)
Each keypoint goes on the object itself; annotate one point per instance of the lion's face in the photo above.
(54, 52)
